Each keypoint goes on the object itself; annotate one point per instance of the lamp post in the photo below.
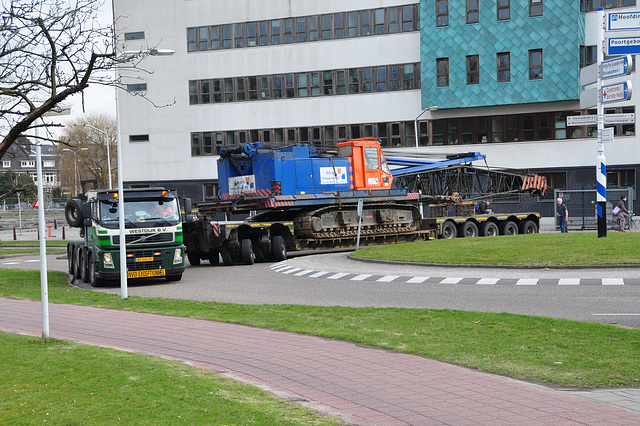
(75, 160)
(106, 140)
(123, 242)
(415, 123)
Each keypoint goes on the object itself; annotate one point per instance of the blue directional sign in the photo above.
(623, 21)
(617, 67)
(623, 45)
(616, 92)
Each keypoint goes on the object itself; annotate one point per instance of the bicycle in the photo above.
(614, 223)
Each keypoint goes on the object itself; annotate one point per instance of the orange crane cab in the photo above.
(367, 164)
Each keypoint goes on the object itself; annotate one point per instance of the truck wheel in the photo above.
(528, 227)
(73, 212)
(508, 228)
(214, 257)
(248, 257)
(257, 250)
(469, 229)
(194, 259)
(226, 255)
(77, 263)
(278, 248)
(449, 230)
(84, 270)
(174, 277)
(70, 263)
(93, 278)
(489, 229)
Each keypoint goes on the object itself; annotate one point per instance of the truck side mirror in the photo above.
(86, 210)
(188, 218)
(187, 206)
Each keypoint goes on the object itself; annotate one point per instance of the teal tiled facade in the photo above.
(559, 33)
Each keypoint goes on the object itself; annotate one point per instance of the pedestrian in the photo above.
(484, 207)
(563, 215)
(622, 212)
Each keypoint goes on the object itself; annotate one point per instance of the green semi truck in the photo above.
(153, 235)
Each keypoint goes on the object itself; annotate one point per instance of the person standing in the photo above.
(562, 214)
(623, 213)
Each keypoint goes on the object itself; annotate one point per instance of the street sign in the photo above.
(623, 21)
(623, 46)
(588, 98)
(592, 120)
(616, 92)
(607, 135)
(588, 74)
(617, 67)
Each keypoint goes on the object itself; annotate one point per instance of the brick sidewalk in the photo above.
(361, 385)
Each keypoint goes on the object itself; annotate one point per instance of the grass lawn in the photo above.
(526, 250)
(64, 383)
(568, 353)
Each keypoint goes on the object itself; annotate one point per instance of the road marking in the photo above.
(337, 276)
(612, 281)
(360, 277)
(387, 278)
(11, 263)
(305, 272)
(569, 281)
(527, 281)
(318, 274)
(290, 271)
(451, 280)
(615, 315)
(32, 261)
(417, 280)
(285, 268)
(488, 281)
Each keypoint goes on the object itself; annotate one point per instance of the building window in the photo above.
(473, 13)
(554, 181)
(442, 13)
(210, 191)
(6, 164)
(473, 72)
(621, 178)
(535, 64)
(49, 163)
(142, 87)
(588, 55)
(138, 35)
(504, 10)
(138, 138)
(590, 5)
(27, 163)
(535, 7)
(443, 71)
(504, 66)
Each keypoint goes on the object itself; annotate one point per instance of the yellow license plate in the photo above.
(146, 273)
(144, 259)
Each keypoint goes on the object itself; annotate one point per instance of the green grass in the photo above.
(5, 251)
(34, 243)
(64, 383)
(568, 353)
(527, 250)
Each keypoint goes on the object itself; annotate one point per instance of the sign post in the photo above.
(601, 163)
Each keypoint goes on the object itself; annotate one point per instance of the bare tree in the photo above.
(49, 51)
(96, 133)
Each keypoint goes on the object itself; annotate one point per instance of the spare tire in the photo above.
(73, 212)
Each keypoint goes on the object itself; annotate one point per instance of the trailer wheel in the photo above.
(508, 228)
(214, 257)
(70, 258)
(489, 229)
(257, 250)
(469, 229)
(93, 278)
(278, 248)
(528, 227)
(73, 212)
(248, 257)
(194, 259)
(226, 255)
(84, 265)
(449, 230)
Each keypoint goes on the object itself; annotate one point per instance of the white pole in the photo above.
(123, 242)
(601, 163)
(44, 293)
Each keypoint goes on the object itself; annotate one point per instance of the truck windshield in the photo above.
(140, 213)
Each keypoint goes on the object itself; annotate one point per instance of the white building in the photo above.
(281, 72)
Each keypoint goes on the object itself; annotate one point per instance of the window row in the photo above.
(503, 11)
(304, 84)
(519, 127)
(394, 134)
(302, 29)
(591, 5)
(503, 68)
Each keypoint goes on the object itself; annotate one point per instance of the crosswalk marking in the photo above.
(387, 278)
(451, 280)
(569, 281)
(417, 280)
(360, 277)
(488, 281)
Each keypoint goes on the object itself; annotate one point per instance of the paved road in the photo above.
(599, 295)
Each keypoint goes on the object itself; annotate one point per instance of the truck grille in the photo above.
(165, 237)
(156, 263)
